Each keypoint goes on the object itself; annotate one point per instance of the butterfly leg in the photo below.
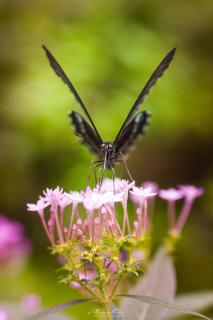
(101, 176)
(125, 164)
(103, 170)
(93, 165)
(113, 178)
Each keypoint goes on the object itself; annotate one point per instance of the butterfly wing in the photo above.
(130, 133)
(159, 71)
(60, 72)
(86, 133)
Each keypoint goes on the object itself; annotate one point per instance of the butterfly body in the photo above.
(111, 152)
(108, 153)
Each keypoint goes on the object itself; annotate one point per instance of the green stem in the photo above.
(90, 291)
(115, 287)
(107, 310)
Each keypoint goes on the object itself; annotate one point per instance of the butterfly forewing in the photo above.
(60, 72)
(130, 132)
(159, 71)
(86, 133)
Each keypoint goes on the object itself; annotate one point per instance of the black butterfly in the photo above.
(110, 152)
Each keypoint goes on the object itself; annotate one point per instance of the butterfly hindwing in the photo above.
(130, 132)
(86, 133)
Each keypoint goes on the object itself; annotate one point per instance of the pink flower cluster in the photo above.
(62, 218)
(14, 245)
(64, 222)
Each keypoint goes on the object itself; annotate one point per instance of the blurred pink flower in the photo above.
(150, 184)
(191, 192)
(14, 245)
(31, 303)
(171, 194)
(4, 315)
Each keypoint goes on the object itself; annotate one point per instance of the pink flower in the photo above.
(75, 285)
(118, 185)
(138, 254)
(4, 315)
(64, 201)
(110, 197)
(92, 200)
(53, 193)
(14, 245)
(87, 275)
(123, 185)
(191, 192)
(39, 206)
(110, 265)
(141, 193)
(171, 194)
(75, 196)
(31, 302)
(150, 184)
(53, 196)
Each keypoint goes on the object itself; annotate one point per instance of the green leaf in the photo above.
(57, 308)
(151, 300)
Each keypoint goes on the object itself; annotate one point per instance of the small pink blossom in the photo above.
(110, 265)
(87, 275)
(75, 285)
(4, 315)
(191, 192)
(64, 201)
(92, 200)
(138, 254)
(53, 193)
(39, 206)
(116, 186)
(150, 184)
(123, 185)
(75, 196)
(110, 197)
(31, 302)
(171, 194)
(141, 193)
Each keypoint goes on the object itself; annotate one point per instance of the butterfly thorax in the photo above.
(108, 152)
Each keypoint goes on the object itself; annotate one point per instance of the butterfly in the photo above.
(111, 152)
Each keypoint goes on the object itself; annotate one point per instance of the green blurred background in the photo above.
(109, 49)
